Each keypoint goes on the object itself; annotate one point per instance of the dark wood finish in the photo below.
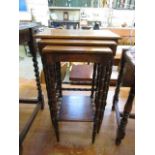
(79, 89)
(93, 80)
(26, 32)
(77, 34)
(84, 74)
(75, 47)
(78, 54)
(76, 108)
(65, 38)
(127, 60)
(80, 42)
(126, 113)
(54, 54)
(28, 101)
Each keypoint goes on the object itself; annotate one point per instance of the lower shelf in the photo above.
(76, 108)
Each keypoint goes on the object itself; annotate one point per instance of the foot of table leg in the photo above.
(121, 128)
(42, 102)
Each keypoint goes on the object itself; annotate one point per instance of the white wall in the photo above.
(109, 16)
(113, 17)
(122, 16)
(39, 9)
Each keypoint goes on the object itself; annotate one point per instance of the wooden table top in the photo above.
(77, 49)
(76, 34)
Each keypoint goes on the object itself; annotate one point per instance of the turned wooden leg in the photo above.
(58, 78)
(93, 80)
(124, 120)
(51, 82)
(36, 70)
(54, 123)
(99, 98)
(106, 81)
(120, 76)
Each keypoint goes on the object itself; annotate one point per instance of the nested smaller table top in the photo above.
(77, 54)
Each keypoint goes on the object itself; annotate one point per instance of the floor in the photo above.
(75, 138)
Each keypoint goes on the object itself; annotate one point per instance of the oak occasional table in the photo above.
(58, 45)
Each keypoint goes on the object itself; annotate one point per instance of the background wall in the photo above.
(39, 8)
(109, 17)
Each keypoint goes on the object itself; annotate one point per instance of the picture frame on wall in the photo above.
(65, 16)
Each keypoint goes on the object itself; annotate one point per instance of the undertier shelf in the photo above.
(76, 108)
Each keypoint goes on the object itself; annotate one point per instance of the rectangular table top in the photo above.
(77, 34)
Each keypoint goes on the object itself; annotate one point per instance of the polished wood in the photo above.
(76, 108)
(26, 31)
(77, 34)
(28, 101)
(76, 50)
(76, 53)
(77, 42)
(54, 54)
(102, 55)
(82, 42)
(127, 60)
(81, 72)
(78, 38)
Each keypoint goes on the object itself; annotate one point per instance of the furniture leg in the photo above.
(36, 70)
(117, 90)
(98, 97)
(51, 82)
(59, 80)
(106, 80)
(93, 80)
(124, 120)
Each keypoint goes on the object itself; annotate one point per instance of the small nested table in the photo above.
(73, 107)
(126, 78)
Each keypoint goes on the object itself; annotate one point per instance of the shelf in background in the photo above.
(64, 8)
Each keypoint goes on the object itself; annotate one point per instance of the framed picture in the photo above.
(66, 16)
